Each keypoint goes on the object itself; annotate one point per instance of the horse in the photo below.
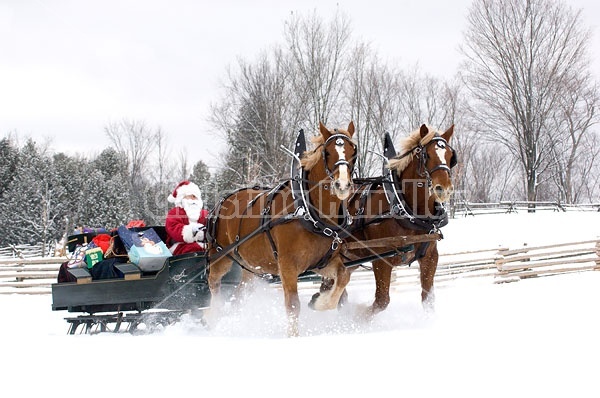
(406, 202)
(291, 228)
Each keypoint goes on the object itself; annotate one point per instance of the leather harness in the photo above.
(304, 211)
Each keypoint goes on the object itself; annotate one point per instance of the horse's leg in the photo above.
(329, 297)
(216, 271)
(382, 271)
(289, 283)
(245, 287)
(428, 266)
(326, 285)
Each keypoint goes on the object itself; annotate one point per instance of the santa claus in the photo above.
(185, 223)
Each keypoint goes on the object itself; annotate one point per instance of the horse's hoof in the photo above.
(343, 300)
(364, 313)
(313, 300)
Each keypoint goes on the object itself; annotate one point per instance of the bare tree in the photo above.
(183, 168)
(256, 115)
(372, 96)
(164, 168)
(489, 175)
(135, 140)
(589, 188)
(520, 55)
(318, 52)
(574, 150)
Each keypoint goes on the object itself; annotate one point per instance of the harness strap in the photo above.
(312, 221)
(304, 212)
(401, 211)
(367, 186)
(232, 250)
(266, 222)
(419, 253)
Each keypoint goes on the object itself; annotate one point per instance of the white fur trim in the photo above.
(188, 234)
(188, 189)
(184, 190)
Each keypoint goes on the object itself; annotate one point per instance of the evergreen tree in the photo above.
(8, 163)
(109, 199)
(202, 177)
(32, 201)
(71, 175)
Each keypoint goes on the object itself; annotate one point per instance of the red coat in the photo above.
(179, 231)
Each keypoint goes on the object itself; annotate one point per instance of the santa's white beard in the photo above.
(192, 209)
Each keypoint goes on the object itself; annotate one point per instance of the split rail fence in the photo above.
(464, 208)
(500, 265)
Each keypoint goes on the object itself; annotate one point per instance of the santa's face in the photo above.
(192, 206)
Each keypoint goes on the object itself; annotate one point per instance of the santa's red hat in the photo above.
(183, 189)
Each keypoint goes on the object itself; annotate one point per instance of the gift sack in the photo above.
(116, 249)
(144, 248)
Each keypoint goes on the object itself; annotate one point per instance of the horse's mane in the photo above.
(310, 158)
(408, 144)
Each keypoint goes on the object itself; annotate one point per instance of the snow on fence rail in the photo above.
(509, 265)
(530, 262)
(36, 275)
(500, 264)
(24, 251)
(28, 275)
(465, 208)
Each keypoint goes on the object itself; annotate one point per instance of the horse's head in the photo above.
(428, 154)
(438, 158)
(338, 154)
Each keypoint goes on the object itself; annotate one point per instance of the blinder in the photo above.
(453, 158)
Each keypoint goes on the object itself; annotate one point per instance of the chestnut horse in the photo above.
(407, 201)
(291, 228)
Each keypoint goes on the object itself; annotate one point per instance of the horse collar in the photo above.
(305, 211)
(401, 211)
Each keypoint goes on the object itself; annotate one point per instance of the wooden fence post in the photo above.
(500, 257)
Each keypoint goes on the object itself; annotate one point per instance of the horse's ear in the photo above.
(351, 128)
(324, 131)
(448, 133)
(424, 130)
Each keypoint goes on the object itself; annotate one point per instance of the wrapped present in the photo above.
(144, 248)
(92, 256)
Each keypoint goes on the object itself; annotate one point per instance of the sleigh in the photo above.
(380, 225)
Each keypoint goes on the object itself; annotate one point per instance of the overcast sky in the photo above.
(68, 68)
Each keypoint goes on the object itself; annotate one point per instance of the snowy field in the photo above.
(536, 337)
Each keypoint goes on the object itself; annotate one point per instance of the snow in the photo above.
(535, 337)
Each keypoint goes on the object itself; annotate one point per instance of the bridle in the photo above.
(420, 151)
(339, 142)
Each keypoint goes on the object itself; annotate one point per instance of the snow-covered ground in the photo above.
(537, 337)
